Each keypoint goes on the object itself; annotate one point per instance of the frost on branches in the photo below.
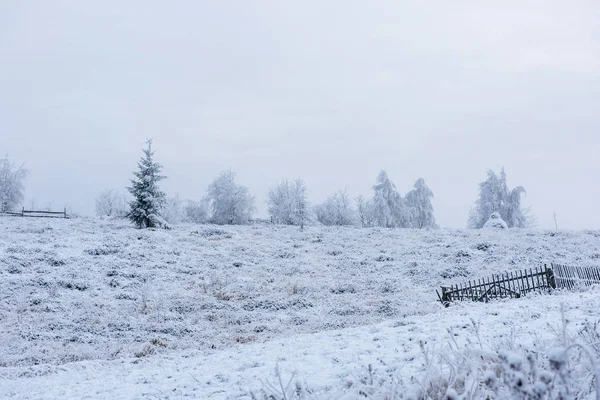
(494, 196)
(388, 207)
(336, 210)
(148, 199)
(389, 210)
(230, 204)
(288, 204)
(12, 178)
(111, 203)
(419, 206)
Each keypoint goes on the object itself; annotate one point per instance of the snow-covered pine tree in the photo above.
(148, 199)
(388, 206)
(418, 202)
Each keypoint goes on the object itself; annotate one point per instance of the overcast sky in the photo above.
(329, 91)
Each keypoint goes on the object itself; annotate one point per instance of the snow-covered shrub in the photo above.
(336, 210)
(495, 222)
(481, 370)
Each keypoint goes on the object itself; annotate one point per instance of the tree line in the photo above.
(227, 202)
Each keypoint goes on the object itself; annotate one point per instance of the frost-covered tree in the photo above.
(418, 202)
(111, 203)
(365, 212)
(301, 205)
(230, 203)
(196, 212)
(148, 199)
(12, 184)
(172, 210)
(495, 196)
(336, 210)
(388, 206)
(287, 202)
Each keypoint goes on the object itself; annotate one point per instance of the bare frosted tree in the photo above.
(196, 212)
(111, 203)
(230, 203)
(301, 205)
(365, 212)
(172, 211)
(12, 184)
(336, 210)
(287, 203)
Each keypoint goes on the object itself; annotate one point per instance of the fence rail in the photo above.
(37, 214)
(516, 284)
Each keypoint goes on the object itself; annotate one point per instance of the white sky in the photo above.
(329, 91)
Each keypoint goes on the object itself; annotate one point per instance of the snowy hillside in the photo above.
(75, 290)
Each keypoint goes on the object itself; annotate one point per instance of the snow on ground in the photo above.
(100, 309)
(325, 363)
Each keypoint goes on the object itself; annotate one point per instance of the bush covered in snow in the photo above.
(495, 222)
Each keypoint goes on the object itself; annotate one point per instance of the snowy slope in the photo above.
(326, 363)
(72, 291)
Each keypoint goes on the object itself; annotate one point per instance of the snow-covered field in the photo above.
(98, 309)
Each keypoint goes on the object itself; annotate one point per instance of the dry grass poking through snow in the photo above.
(83, 289)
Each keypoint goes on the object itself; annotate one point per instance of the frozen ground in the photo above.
(326, 364)
(99, 309)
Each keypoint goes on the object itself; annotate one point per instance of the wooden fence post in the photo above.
(550, 277)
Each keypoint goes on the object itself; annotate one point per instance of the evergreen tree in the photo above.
(148, 199)
(418, 202)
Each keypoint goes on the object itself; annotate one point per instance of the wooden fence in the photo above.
(515, 284)
(571, 277)
(37, 214)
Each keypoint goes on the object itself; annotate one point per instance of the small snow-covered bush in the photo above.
(495, 222)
